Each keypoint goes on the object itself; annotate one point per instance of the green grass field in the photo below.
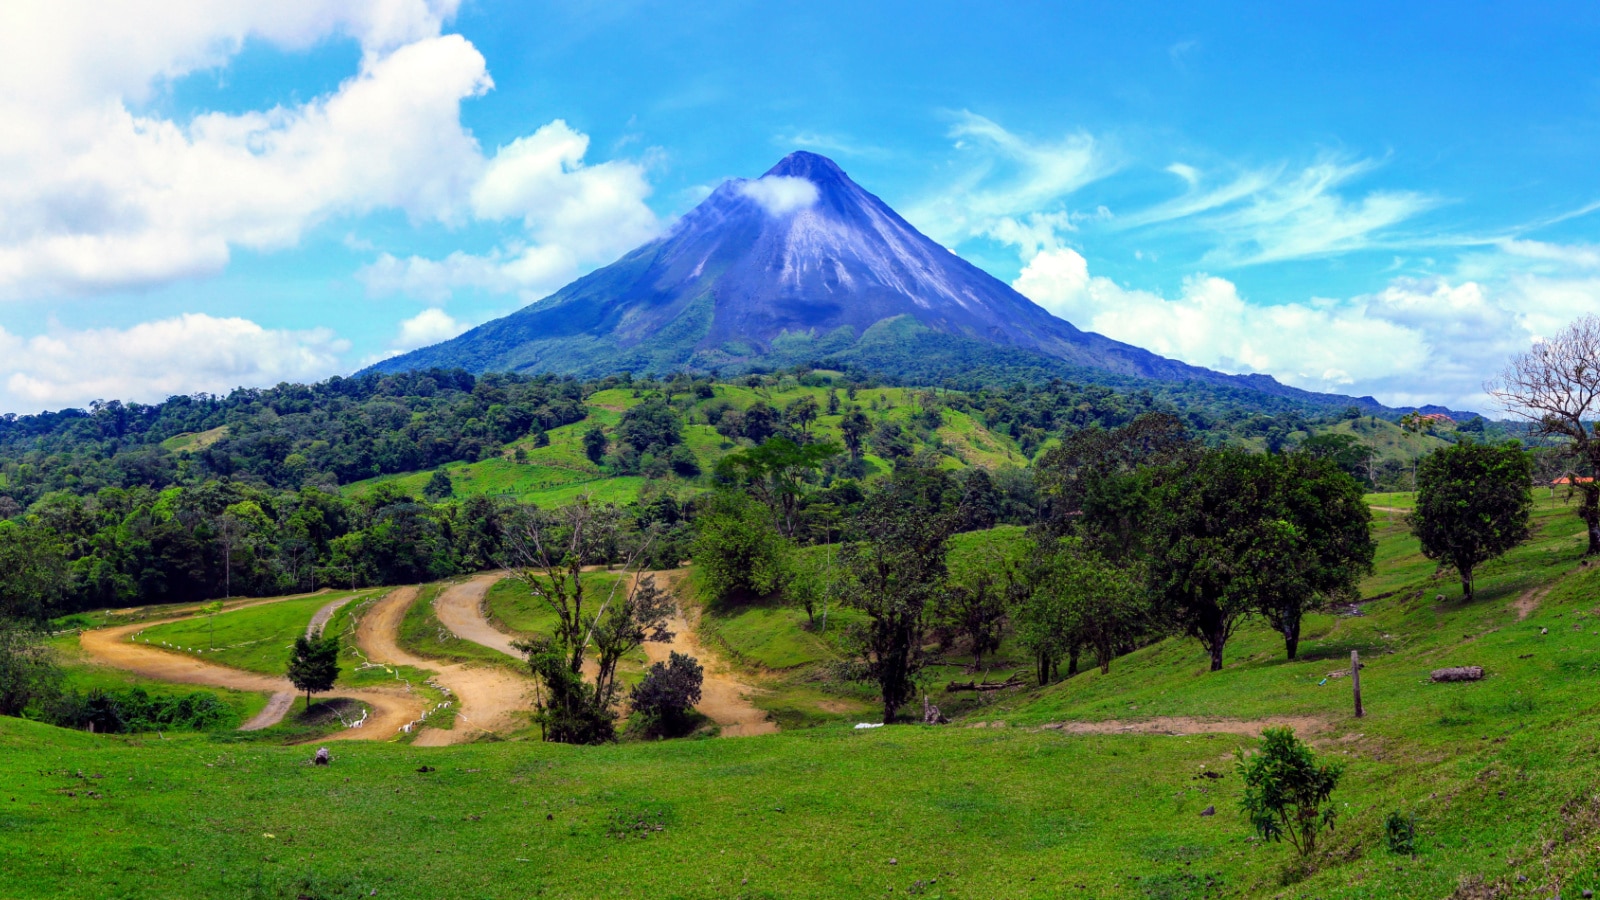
(1499, 774)
(254, 638)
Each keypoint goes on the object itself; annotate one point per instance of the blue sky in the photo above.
(1380, 199)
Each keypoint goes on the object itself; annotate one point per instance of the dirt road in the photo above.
(490, 699)
(722, 696)
(109, 646)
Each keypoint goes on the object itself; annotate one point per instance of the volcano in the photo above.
(802, 265)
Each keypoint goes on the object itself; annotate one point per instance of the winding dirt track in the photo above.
(1177, 725)
(109, 646)
(723, 698)
(489, 699)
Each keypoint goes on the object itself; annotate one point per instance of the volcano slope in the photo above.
(1499, 775)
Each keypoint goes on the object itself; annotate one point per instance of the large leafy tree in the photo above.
(1473, 504)
(897, 568)
(737, 552)
(1326, 543)
(33, 572)
(775, 473)
(1078, 601)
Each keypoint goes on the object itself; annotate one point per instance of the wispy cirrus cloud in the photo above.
(1284, 213)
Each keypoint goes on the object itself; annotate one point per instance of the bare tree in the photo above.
(1556, 387)
(548, 551)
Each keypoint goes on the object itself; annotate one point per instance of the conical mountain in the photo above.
(800, 265)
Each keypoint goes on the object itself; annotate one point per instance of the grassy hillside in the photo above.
(555, 474)
(1499, 775)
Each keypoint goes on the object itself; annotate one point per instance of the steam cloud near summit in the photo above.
(780, 195)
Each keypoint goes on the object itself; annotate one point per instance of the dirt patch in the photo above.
(320, 620)
(489, 698)
(1180, 725)
(838, 706)
(110, 647)
(723, 698)
(1391, 509)
(1529, 601)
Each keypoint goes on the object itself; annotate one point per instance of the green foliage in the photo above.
(737, 552)
(314, 664)
(1400, 834)
(775, 473)
(667, 694)
(650, 427)
(897, 570)
(1473, 502)
(29, 674)
(33, 572)
(135, 710)
(439, 486)
(1074, 600)
(595, 443)
(1286, 793)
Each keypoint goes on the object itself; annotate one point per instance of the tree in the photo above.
(974, 609)
(775, 474)
(1211, 538)
(667, 693)
(1325, 543)
(1473, 504)
(898, 569)
(33, 572)
(1285, 792)
(1076, 600)
(760, 422)
(439, 486)
(814, 582)
(314, 664)
(28, 670)
(1344, 450)
(801, 413)
(650, 427)
(854, 427)
(547, 551)
(595, 443)
(833, 401)
(737, 551)
(211, 609)
(1556, 387)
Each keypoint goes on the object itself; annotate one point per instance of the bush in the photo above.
(1286, 792)
(134, 710)
(667, 694)
(1400, 834)
(28, 673)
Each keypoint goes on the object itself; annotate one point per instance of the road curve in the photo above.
(490, 699)
(109, 646)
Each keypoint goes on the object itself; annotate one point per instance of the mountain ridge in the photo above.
(799, 266)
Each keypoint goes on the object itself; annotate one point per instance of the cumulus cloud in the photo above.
(154, 360)
(101, 197)
(1416, 341)
(428, 327)
(780, 195)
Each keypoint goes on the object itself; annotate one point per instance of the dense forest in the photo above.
(284, 489)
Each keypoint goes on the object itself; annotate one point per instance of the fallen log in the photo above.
(1013, 681)
(1457, 673)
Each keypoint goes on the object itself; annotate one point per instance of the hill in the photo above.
(1092, 787)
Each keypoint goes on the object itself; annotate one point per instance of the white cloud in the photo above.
(1007, 177)
(780, 195)
(428, 327)
(1274, 214)
(1417, 341)
(100, 197)
(154, 360)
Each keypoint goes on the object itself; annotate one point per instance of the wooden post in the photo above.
(1355, 680)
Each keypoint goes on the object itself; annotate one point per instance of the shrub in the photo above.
(667, 694)
(1400, 834)
(1285, 792)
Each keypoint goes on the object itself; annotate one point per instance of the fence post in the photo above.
(1355, 680)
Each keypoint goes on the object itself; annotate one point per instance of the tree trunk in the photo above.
(1291, 640)
(1072, 661)
(1466, 576)
(1590, 513)
(1215, 646)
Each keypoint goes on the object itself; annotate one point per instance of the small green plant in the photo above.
(1285, 792)
(1400, 834)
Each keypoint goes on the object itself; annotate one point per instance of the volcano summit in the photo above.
(800, 265)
